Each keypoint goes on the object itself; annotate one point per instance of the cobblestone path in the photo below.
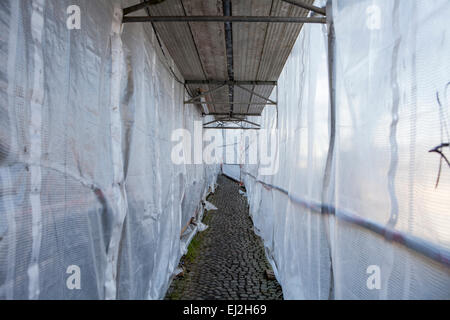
(226, 261)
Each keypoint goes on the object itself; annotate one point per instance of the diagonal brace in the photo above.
(203, 94)
(306, 6)
(256, 94)
(140, 6)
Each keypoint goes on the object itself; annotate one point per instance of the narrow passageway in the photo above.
(226, 261)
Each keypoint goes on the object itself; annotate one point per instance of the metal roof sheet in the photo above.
(260, 50)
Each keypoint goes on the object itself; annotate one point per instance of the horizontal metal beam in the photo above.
(233, 114)
(233, 103)
(140, 6)
(232, 128)
(306, 6)
(233, 120)
(232, 83)
(224, 19)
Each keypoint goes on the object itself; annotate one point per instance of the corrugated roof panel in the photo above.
(209, 39)
(260, 50)
(177, 37)
(249, 38)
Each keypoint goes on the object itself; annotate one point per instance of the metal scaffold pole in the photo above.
(328, 190)
(332, 111)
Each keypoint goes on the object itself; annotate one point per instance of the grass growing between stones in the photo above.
(179, 284)
(193, 251)
(194, 246)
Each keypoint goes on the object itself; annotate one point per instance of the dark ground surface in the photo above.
(226, 261)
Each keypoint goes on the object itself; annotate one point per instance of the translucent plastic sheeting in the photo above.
(295, 238)
(232, 170)
(392, 109)
(86, 178)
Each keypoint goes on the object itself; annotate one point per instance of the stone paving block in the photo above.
(230, 262)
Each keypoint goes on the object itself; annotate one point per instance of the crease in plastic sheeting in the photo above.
(7, 290)
(35, 132)
(119, 198)
(412, 152)
(12, 54)
(66, 171)
(393, 129)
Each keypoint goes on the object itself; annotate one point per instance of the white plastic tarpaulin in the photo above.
(87, 182)
(381, 229)
(86, 178)
(232, 171)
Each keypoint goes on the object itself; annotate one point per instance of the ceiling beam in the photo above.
(236, 82)
(233, 114)
(229, 50)
(232, 103)
(224, 19)
(232, 128)
(233, 120)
